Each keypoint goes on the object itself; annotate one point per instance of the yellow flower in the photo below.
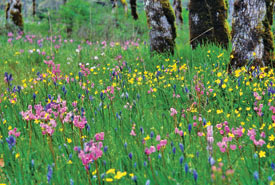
(223, 86)
(70, 162)
(69, 140)
(262, 154)
(17, 155)
(131, 175)
(119, 175)
(112, 170)
(271, 138)
(219, 111)
(219, 74)
(94, 172)
(220, 55)
(147, 138)
(109, 180)
(9, 128)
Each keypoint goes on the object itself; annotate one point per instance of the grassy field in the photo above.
(99, 108)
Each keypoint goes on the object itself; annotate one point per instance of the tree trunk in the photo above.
(178, 11)
(114, 5)
(13, 14)
(252, 39)
(33, 8)
(161, 21)
(133, 4)
(208, 22)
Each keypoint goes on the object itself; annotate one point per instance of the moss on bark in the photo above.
(208, 22)
(133, 4)
(268, 36)
(14, 13)
(161, 21)
(178, 12)
(252, 39)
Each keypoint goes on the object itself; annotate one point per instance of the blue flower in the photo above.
(181, 147)
(186, 168)
(211, 161)
(181, 159)
(174, 150)
(272, 166)
(50, 173)
(256, 175)
(71, 182)
(195, 174)
(189, 128)
(130, 155)
(11, 141)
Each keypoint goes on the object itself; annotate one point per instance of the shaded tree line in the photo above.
(252, 39)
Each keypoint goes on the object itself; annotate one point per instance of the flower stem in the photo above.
(97, 172)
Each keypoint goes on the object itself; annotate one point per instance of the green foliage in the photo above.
(76, 11)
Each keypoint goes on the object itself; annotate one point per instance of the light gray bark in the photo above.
(248, 37)
(161, 20)
(178, 11)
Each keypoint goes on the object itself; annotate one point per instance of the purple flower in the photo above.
(189, 128)
(256, 175)
(50, 173)
(186, 168)
(11, 141)
(181, 147)
(272, 166)
(195, 174)
(130, 155)
(181, 159)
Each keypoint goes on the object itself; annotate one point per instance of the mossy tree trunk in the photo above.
(208, 22)
(161, 21)
(33, 8)
(133, 4)
(178, 11)
(252, 39)
(14, 14)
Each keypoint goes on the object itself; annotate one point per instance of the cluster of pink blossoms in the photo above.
(92, 150)
(152, 149)
(14, 132)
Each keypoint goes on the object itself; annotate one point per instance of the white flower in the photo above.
(96, 57)
(77, 50)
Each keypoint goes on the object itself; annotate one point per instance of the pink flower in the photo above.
(158, 138)
(200, 134)
(263, 135)
(99, 136)
(92, 151)
(150, 150)
(13, 132)
(162, 143)
(233, 147)
(173, 112)
(132, 133)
